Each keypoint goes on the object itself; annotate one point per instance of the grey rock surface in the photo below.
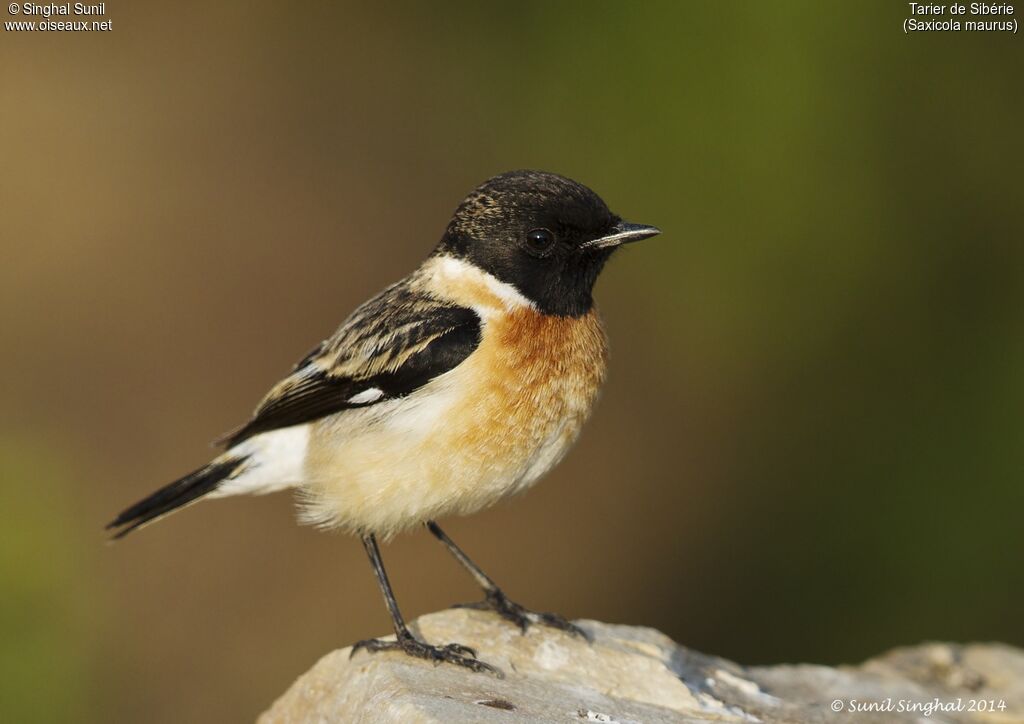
(630, 674)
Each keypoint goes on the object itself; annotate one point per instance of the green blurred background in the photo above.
(811, 443)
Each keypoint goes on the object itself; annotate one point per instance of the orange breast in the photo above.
(530, 384)
(487, 429)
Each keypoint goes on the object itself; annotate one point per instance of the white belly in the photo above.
(487, 429)
(420, 458)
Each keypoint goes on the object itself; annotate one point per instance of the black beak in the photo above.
(623, 233)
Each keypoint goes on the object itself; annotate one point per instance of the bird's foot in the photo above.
(451, 653)
(523, 617)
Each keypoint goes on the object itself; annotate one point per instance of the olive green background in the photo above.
(810, 446)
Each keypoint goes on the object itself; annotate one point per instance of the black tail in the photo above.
(181, 492)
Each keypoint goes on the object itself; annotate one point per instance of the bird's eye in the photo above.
(539, 241)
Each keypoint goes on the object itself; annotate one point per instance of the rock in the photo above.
(631, 674)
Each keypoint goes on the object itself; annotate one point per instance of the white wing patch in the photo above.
(368, 395)
(276, 460)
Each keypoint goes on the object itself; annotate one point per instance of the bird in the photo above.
(450, 390)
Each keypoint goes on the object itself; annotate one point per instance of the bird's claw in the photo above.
(522, 617)
(456, 654)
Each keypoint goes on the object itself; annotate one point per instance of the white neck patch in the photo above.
(452, 273)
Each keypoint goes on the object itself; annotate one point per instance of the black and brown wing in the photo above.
(389, 347)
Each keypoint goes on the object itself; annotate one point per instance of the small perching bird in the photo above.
(456, 387)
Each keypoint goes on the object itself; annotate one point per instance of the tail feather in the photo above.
(170, 497)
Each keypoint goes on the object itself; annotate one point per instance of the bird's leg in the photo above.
(495, 599)
(404, 639)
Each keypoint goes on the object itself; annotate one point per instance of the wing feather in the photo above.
(394, 344)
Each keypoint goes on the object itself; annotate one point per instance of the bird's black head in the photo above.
(546, 235)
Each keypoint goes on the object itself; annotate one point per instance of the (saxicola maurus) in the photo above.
(452, 389)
